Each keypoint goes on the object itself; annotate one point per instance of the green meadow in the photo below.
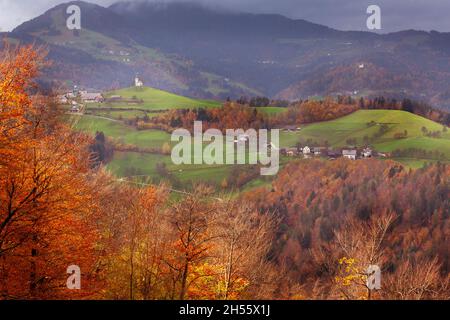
(121, 132)
(155, 99)
(416, 163)
(425, 143)
(356, 126)
(135, 165)
(271, 110)
(361, 126)
(124, 115)
(129, 164)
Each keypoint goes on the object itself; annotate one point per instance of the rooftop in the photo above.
(349, 152)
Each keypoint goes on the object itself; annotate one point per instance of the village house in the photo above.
(75, 91)
(349, 154)
(75, 107)
(367, 153)
(115, 97)
(63, 99)
(70, 95)
(318, 151)
(334, 154)
(91, 96)
(138, 82)
(291, 152)
(306, 152)
(290, 128)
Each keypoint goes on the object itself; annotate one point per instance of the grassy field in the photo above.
(132, 164)
(271, 110)
(121, 132)
(416, 163)
(124, 115)
(425, 143)
(128, 164)
(355, 126)
(336, 133)
(155, 99)
(118, 130)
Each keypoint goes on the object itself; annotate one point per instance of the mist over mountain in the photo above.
(210, 53)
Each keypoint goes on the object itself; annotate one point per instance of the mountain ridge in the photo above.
(207, 53)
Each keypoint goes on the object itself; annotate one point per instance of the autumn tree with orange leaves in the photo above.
(135, 239)
(46, 199)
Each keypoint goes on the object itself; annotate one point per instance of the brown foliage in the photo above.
(46, 198)
(314, 198)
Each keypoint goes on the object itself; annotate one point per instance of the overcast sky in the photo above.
(339, 14)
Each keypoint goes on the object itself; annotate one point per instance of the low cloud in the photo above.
(339, 14)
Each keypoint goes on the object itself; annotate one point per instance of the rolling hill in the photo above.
(109, 117)
(155, 99)
(362, 127)
(104, 55)
(367, 123)
(121, 132)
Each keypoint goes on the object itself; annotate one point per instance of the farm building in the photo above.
(63, 99)
(318, 150)
(306, 150)
(138, 82)
(291, 152)
(334, 154)
(290, 128)
(367, 153)
(349, 154)
(91, 97)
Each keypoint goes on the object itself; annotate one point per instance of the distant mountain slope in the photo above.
(104, 55)
(360, 79)
(201, 52)
(94, 17)
(168, 17)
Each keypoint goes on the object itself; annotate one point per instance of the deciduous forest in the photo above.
(310, 235)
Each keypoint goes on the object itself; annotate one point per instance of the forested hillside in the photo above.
(340, 214)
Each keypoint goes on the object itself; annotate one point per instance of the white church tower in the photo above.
(137, 82)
